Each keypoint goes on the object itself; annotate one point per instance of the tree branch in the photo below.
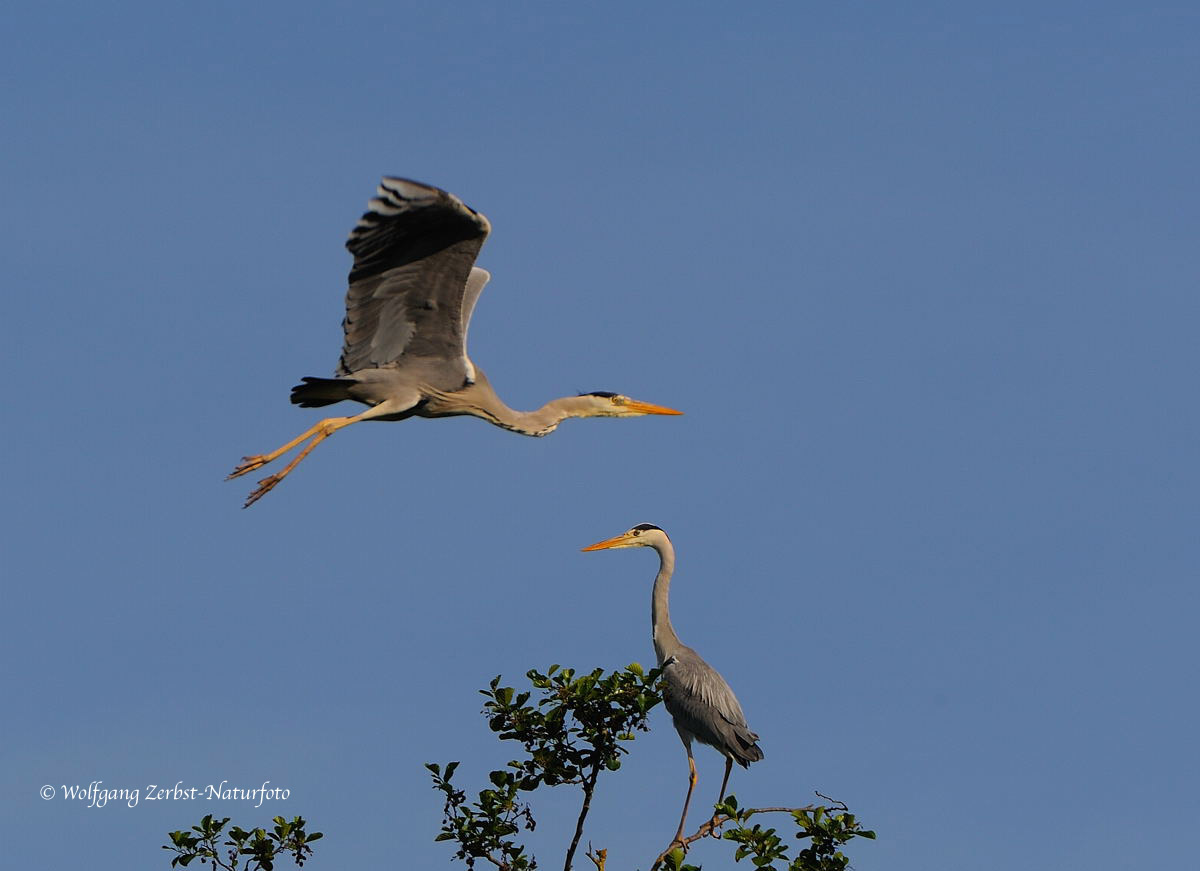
(718, 819)
(589, 786)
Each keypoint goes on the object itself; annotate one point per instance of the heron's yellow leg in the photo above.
(249, 464)
(716, 832)
(725, 780)
(322, 430)
(691, 786)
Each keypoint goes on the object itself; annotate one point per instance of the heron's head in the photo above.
(642, 535)
(603, 404)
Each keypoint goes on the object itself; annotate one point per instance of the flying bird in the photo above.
(413, 288)
(700, 702)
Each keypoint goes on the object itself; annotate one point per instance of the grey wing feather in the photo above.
(703, 705)
(409, 286)
(476, 281)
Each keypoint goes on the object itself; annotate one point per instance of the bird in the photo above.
(412, 289)
(702, 705)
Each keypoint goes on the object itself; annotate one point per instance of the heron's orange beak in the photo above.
(610, 542)
(648, 408)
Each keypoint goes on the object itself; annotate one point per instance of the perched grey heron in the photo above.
(413, 287)
(700, 702)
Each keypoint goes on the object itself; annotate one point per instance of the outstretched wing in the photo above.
(409, 293)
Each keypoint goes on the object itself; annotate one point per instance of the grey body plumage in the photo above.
(703, 707)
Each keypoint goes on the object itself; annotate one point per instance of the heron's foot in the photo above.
(678, 842)
(265, 486)
(248, 464)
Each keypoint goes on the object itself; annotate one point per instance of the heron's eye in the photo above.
(637, 532)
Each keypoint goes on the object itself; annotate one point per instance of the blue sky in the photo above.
(923, 281)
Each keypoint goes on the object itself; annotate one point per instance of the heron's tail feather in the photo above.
(318, 392)
(745, 749)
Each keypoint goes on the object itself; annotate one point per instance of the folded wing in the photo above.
(702, 704)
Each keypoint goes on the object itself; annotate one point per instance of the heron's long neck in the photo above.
(666, 642)
(480, 400)
(542, 421)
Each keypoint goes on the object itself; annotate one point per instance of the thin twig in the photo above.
(599, 857)
(834, 803)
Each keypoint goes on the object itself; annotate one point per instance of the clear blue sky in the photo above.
(925, 283)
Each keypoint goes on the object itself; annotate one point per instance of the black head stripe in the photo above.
(644, 526)
(603, 393)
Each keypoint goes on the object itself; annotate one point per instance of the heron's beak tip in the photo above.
(651, 408)
(604, 545)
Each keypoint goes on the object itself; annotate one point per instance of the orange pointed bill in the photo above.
(609, 542)
(649, 408)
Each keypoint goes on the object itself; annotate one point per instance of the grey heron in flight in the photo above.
(700, 702)
(413, 287)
